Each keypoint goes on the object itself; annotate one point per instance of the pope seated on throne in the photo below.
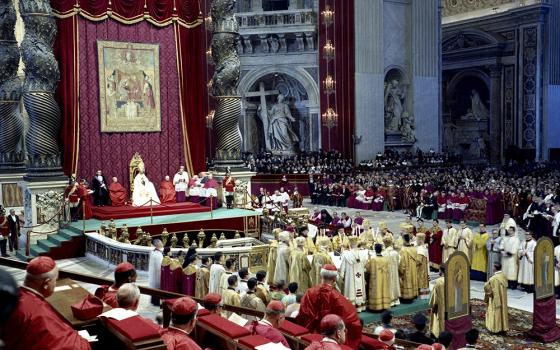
(144, 192)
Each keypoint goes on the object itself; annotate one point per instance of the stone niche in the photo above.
(398, 121)
(466, 116)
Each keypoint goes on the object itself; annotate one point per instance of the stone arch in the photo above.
(308, 125)
(298, 73)
(457, 78)
(401, 72)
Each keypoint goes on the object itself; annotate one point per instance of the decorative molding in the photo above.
(509, 105)
(529, 86)
(455, 7)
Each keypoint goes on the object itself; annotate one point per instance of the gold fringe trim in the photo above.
(143, 17)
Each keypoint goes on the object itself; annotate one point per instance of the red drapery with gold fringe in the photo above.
(190, 36)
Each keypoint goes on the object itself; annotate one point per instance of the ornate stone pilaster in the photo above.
(300, 42)
(248, 44)
(310, 39)
(41, 79)
(225, 82)
(283, 44)
(496, 118)
(264, 43)
(11, 124)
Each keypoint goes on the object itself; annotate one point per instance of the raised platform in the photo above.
(227, 220)
(125, 212)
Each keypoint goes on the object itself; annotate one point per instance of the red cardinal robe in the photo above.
(167, 192)
(85, 211)
(177, 339)
(118, 194)
(34, 325)
(323, 300)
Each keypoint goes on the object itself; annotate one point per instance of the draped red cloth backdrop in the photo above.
(177, 26)
(341, 33)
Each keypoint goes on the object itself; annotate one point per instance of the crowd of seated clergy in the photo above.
(303, 163)
(529, 193)
(393, 159)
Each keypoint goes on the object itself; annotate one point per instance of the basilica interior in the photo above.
(279, 174)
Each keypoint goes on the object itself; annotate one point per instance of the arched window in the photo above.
(275, 5)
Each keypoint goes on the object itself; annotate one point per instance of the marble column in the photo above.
(496, 120)
(41, 79)
(369, 61)
(425, 68)
(11, 123)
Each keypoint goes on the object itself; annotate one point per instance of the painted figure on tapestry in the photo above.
(457, 286)
(129, 87)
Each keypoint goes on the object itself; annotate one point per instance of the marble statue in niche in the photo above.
(394, 105)
(477, 110)
(407, 127)
(277, 121)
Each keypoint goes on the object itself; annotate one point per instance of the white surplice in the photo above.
(352, 272)
(154, 269)
(526, 255)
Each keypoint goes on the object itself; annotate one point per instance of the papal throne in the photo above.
(133, 169)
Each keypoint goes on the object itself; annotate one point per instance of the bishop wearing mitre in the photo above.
(495, 296)
(408, 270)
(379, 281)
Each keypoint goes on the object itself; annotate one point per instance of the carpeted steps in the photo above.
(67, 243)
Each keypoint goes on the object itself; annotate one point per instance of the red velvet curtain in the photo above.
(184, 15)
(341, 68)
(65, 49)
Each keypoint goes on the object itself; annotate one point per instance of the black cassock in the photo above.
(100, 192)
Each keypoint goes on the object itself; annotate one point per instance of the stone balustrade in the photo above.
(302, 17)
(265, 33)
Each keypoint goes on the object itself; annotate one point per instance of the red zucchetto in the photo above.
(40, 265)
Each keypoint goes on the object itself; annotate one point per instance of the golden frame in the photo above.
(457, 280)
(544, 268)
(129, 87)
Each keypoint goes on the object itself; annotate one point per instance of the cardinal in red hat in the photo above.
(324, 299)
(183, 321)
(34, 324)
(124, 273)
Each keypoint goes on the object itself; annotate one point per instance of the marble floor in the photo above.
(516, 299)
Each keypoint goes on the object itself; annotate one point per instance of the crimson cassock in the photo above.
(117, 193)
(34, 325)
(323, 300)
(166, 192)
(178, 340)
(323, 346)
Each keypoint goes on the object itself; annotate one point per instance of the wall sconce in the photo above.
(330, 118)
(328, 50)
(328, 16)
(210, 119)
(329, 85)
(208, 23)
